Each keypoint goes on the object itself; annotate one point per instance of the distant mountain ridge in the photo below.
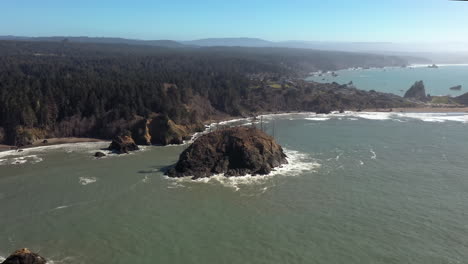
(101, 40)
(413, 52)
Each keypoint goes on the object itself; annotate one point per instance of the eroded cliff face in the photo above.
(236, 151)
(160, 130)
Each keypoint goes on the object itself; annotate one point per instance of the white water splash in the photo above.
(87, 180)
(298, 163)
(374, 155)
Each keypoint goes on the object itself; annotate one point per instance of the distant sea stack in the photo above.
(456, 88)
(433, 66)
(24, 256)
(236, 151)
(417, 92)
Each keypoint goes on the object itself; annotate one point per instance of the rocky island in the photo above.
(24, 256)
(235, 151)
(456, 88)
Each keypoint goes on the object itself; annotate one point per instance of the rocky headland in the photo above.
(235, 151)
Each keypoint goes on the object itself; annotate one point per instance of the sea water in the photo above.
(398, 80)
(359, 188)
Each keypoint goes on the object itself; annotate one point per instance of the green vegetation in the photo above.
(72, 89)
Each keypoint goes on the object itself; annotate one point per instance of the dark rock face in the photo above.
(123, 144)
(417, 91)
(233, 151)
(456, 88)
(462, 99)
(99, 154)
(24, 256)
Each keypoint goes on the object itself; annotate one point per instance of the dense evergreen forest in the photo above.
(83, 89)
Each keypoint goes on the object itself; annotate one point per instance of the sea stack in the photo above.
(123, 144)
(456, 88)
(235, 151)
(417, 92)
(24, 256)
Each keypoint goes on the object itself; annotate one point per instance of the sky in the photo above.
(276, 20)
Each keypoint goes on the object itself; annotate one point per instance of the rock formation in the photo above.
(233, 151)
(123, 144)
(24, 256)
(164, 131)
(456, 88)
(99, 154)
(160, 130)
(417, 92)
(462, 99)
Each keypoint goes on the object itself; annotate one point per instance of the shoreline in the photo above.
(421, 110)
(53, 142)
(215, 121)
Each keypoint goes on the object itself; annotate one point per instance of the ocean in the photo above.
(398, 80)
(359, 188)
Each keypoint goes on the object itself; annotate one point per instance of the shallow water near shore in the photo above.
(360, 188)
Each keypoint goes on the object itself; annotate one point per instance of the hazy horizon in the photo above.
(398, 21)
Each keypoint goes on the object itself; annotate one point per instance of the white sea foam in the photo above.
(61, 207)
(298, 163)
(374, 155)
(2, 259)
(87, 180)
(439, 65)
(317, 118)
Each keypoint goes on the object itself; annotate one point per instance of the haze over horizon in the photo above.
(398, 21)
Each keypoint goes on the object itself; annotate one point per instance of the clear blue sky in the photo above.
(325, 20)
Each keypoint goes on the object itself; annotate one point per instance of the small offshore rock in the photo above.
(123, 144)
(24, 256)
(99, 154)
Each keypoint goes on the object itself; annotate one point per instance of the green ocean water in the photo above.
(399, 80)
(361, 188)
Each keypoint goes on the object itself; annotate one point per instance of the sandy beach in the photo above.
(54, 141)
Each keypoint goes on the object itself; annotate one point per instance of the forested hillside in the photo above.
(71, 89)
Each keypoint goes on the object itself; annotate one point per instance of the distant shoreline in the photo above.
(420, 110)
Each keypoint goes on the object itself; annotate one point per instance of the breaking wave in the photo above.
(87, 180)
(393, 116)
(298, 163)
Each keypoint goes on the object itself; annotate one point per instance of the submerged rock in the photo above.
(24, 256)
(236, 151)
(123, 144)
(417, 91)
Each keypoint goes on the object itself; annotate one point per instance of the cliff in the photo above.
(233, 151)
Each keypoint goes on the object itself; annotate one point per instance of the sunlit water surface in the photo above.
(360, 188)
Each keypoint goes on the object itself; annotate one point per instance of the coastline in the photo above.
(423, 109)
(53, 142)
(224, 119)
